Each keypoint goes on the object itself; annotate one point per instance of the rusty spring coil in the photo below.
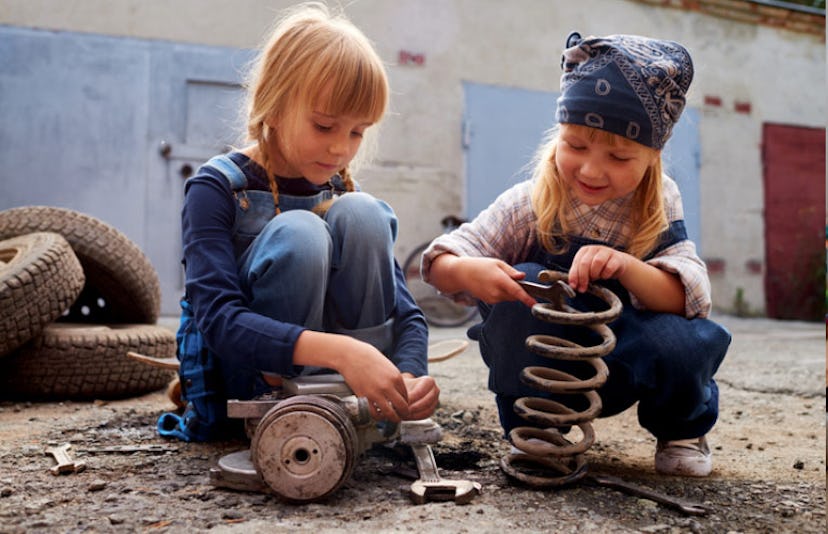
(547, 458)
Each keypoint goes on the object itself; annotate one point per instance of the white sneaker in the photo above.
(684, 457)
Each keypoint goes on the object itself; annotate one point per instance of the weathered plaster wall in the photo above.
(757, 74)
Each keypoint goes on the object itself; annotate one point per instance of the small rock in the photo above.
(799, 464)
(97, 485)
(6, 492)
(258, 500)
(646, 503)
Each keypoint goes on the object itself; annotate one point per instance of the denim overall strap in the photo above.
(255, 208)
(675, 232)
(228, 168)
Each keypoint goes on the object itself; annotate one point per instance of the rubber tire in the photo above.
(70, 361)
(116, 269)
(40, 278)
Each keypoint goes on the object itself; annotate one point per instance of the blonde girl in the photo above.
(276, 286)
(599, 208)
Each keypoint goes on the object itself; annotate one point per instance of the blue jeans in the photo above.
(331, 274)
(664, 362)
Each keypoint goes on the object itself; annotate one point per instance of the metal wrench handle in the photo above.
(629, 488)
(426, 464)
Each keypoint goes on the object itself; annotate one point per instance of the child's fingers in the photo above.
(599, 265)
(398, 400)
(424, 406)
(514, 273)
(579, 272)
(423, 395)
(594, 263)
(610, 268)
(388, 396)
(525, 298)
(514, 291)
(389, 409)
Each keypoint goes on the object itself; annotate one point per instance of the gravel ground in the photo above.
(769, 473)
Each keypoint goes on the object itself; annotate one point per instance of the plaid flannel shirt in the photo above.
(507, 230)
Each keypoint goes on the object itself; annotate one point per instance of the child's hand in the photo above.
(596, 262)
(379, 381)
(366, 370)
(488, 279)
(423, 396)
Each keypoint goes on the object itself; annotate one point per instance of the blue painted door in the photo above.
(503, 127)
(73, 124)
(83, 119)
(682, 160)
(195, 100)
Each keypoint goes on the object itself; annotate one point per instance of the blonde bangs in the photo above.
(323, 62)
(355, 87)
(348, 74)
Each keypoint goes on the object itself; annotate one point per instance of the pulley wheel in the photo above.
(305, 448)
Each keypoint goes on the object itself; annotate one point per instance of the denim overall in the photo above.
(333, 273)
(663, 361)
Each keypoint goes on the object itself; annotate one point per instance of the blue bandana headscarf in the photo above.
(625, 84)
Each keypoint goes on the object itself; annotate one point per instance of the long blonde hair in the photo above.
(308, 50)
(551, 199)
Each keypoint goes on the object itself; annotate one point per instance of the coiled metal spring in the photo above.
(547, 457)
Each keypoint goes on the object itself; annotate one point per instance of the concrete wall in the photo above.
(746, 75)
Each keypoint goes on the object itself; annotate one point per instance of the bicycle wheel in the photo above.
(438, 310)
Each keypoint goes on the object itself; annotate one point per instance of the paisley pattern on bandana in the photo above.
(629, 85)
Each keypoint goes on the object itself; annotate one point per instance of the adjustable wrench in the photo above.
(65, 464)
(430, 487)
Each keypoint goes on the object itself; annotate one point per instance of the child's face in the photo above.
(315, 145)
(599, 168)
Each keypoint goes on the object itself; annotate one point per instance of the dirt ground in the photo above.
(769, 453)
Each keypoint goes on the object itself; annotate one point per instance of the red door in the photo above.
(794, 180)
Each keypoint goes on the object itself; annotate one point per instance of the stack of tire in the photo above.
(76, 295)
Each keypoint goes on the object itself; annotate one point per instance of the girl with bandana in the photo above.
(599, 208)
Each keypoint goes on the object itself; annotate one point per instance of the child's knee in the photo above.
(297, 226)
(297, 239)
(363, 215)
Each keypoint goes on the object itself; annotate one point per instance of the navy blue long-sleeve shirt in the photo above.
(234, 332)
